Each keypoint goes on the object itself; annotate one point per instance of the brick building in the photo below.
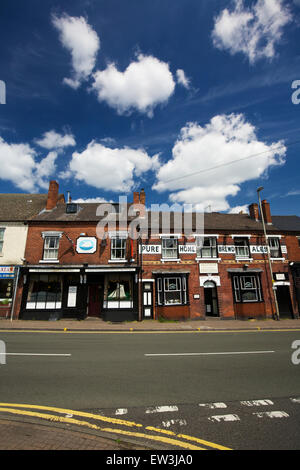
(15, 212)
(82, 259)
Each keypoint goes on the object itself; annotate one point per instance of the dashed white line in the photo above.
(257, 403)
(272, 414)
(219, 418)
(212, 353)
(121, 411)
(213, 405)
(295, 400)
(161, 409)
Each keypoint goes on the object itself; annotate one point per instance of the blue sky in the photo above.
(111, 96)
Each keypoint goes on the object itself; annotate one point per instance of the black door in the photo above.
(211, 299)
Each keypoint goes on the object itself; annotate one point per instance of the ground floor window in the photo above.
(45, 292)
(171, 290)
(247, 289)
(118, 291)
(6, 291)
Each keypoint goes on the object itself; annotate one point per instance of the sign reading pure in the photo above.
(150, 249)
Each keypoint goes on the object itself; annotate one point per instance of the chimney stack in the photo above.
(254, 211)
(52, 195)
(136, 197)
(142, 197)
(266, 212)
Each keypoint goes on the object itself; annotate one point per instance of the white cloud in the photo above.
(182, 79)
(90, 200)
(253, 30)
(111, 169)
(53, 140)
(239, 209)
(82, 41)
(18, 164)
(201, 171)
(144, 84)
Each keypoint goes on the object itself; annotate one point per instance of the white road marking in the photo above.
(213, 405)
(181, 422)
(272, 414)
(35, 354)
(219, 418)
(211, 353)
(121, 411)
(257, 403)
(161, 409)
(295, 400)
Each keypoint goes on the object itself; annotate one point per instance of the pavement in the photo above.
(22, 433)
(97, 324)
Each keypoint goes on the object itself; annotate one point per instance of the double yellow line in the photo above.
(164, 436)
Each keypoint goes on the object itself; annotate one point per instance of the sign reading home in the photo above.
(86, 245)
(186, 249)
(150, 249)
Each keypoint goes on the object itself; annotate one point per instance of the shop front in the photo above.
(78, 292)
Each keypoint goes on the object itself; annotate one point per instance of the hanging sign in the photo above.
(86, 245)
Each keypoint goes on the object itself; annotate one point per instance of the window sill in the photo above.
(164, 260)
(118, 261)
(243, 259)
(208, 259)
(51, 261)
(277, 259)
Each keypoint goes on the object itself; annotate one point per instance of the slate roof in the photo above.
(212, 221)
(20, 207)
(288, 223)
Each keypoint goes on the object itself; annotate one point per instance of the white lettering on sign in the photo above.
(150, 249)
(183, 249)
(226, 249)
(259, 249)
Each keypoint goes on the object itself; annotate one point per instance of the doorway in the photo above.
(211, 299)
(284, 301)
(95, 300)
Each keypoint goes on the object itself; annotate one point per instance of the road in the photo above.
(238, 390)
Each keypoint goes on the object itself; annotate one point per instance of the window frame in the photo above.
(277, 248)
(47, 249)
(163, 248)
(245, 246)
(114, 249)
(163, 289)
(213, 247)
(240, 288)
